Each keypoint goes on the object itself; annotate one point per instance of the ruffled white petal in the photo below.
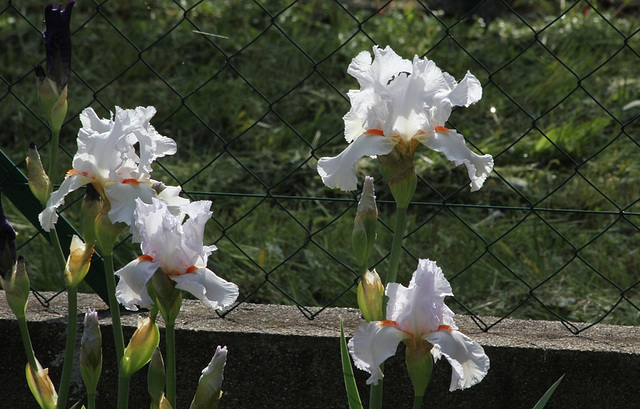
(466, 92)
(452, 144)
(371, 345)
(122, 197)
(176, 204)
(152, 144)
(48, 217)
(340, 171)
(131, 290)
(468, 361)
(420, 308)
(385, 66)
(208, 287)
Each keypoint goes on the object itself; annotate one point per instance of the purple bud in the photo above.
(57, 39)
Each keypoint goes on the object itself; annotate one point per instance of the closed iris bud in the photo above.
(209, 390)
(370, 296)
(91, 351)
(140, 349)
(365, 224)
(16, 287)
(52, 84)
(78, 262)
(156, 378)
(41, 386)
(39, 182)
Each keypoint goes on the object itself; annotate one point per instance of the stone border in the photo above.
(280, 359)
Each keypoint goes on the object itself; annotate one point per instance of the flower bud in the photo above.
(156, 378)
(17, 287)
(399, 172)
(52, 85)
(209, 390)
(419, 365)
(140, 348)
(8, 256)
(91, 351)
(41, 386)
(370, 296)
(53, 99)
(78, 262)
(366, 224)
(39, 182)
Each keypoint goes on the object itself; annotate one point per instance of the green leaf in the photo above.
(543, 401)
(347, 370)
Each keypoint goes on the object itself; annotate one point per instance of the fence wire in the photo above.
(254, 93)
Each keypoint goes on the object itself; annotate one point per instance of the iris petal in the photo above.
(340, 171)
(372, 344)
(467, 359)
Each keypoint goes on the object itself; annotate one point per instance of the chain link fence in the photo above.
(254, 93)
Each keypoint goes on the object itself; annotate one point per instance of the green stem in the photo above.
(375, 394)
(417, 402)
(53, 154)
(67, 365)
(123, 391)
(91, 401)
(57, 248)
(396, 245)
(170, 332)
(26, 340)
(114, 307)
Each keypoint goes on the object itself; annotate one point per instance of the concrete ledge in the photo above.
(279, 359)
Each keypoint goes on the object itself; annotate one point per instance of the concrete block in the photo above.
(280, 359)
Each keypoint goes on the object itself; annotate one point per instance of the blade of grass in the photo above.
(347, 370)
(543, 401)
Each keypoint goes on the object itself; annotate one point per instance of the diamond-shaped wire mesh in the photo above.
(254, 93)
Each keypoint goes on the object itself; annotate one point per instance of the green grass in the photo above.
(252, 112)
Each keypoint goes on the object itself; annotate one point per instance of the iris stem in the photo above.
(57, 247)
(170, 333)
(26, 340)
(375, 394)
(123, 391)
(53, 154)
(114, 308)
(396, 245)
(91, 400)
(417, 402)
(67, 366)
(116, 325)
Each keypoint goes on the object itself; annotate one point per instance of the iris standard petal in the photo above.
(372, 344)
(340, 171)
(131, 290)
(122, 197)
(152, 144)
(468, 361)
(452, 144)
(385, 66)
(48, 217)
(208, 287)
(466, 92)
